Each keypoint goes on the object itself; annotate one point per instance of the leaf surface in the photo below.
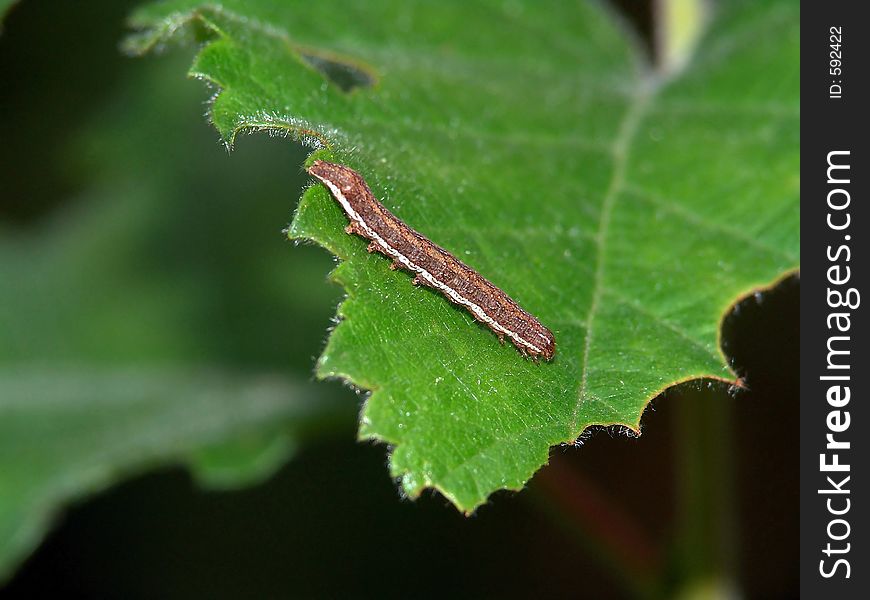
(624, 208)
(138, 321)
(5, 6)
(69, 432)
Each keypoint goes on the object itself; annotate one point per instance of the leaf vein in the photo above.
(627, 131)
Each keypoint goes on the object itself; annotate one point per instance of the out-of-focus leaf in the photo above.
(5, 5)
(145, 321)
(68, 432)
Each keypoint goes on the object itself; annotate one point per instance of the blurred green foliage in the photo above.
(156, 312)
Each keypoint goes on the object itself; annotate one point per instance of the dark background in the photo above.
(330, 522)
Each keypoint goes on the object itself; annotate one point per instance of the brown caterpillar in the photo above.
(433, 266)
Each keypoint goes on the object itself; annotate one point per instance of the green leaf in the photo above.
(5, 7)
(69, 432)
(627, 208)
(241, 461)
(140, 324)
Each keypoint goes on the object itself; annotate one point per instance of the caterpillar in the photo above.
(432, 265)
